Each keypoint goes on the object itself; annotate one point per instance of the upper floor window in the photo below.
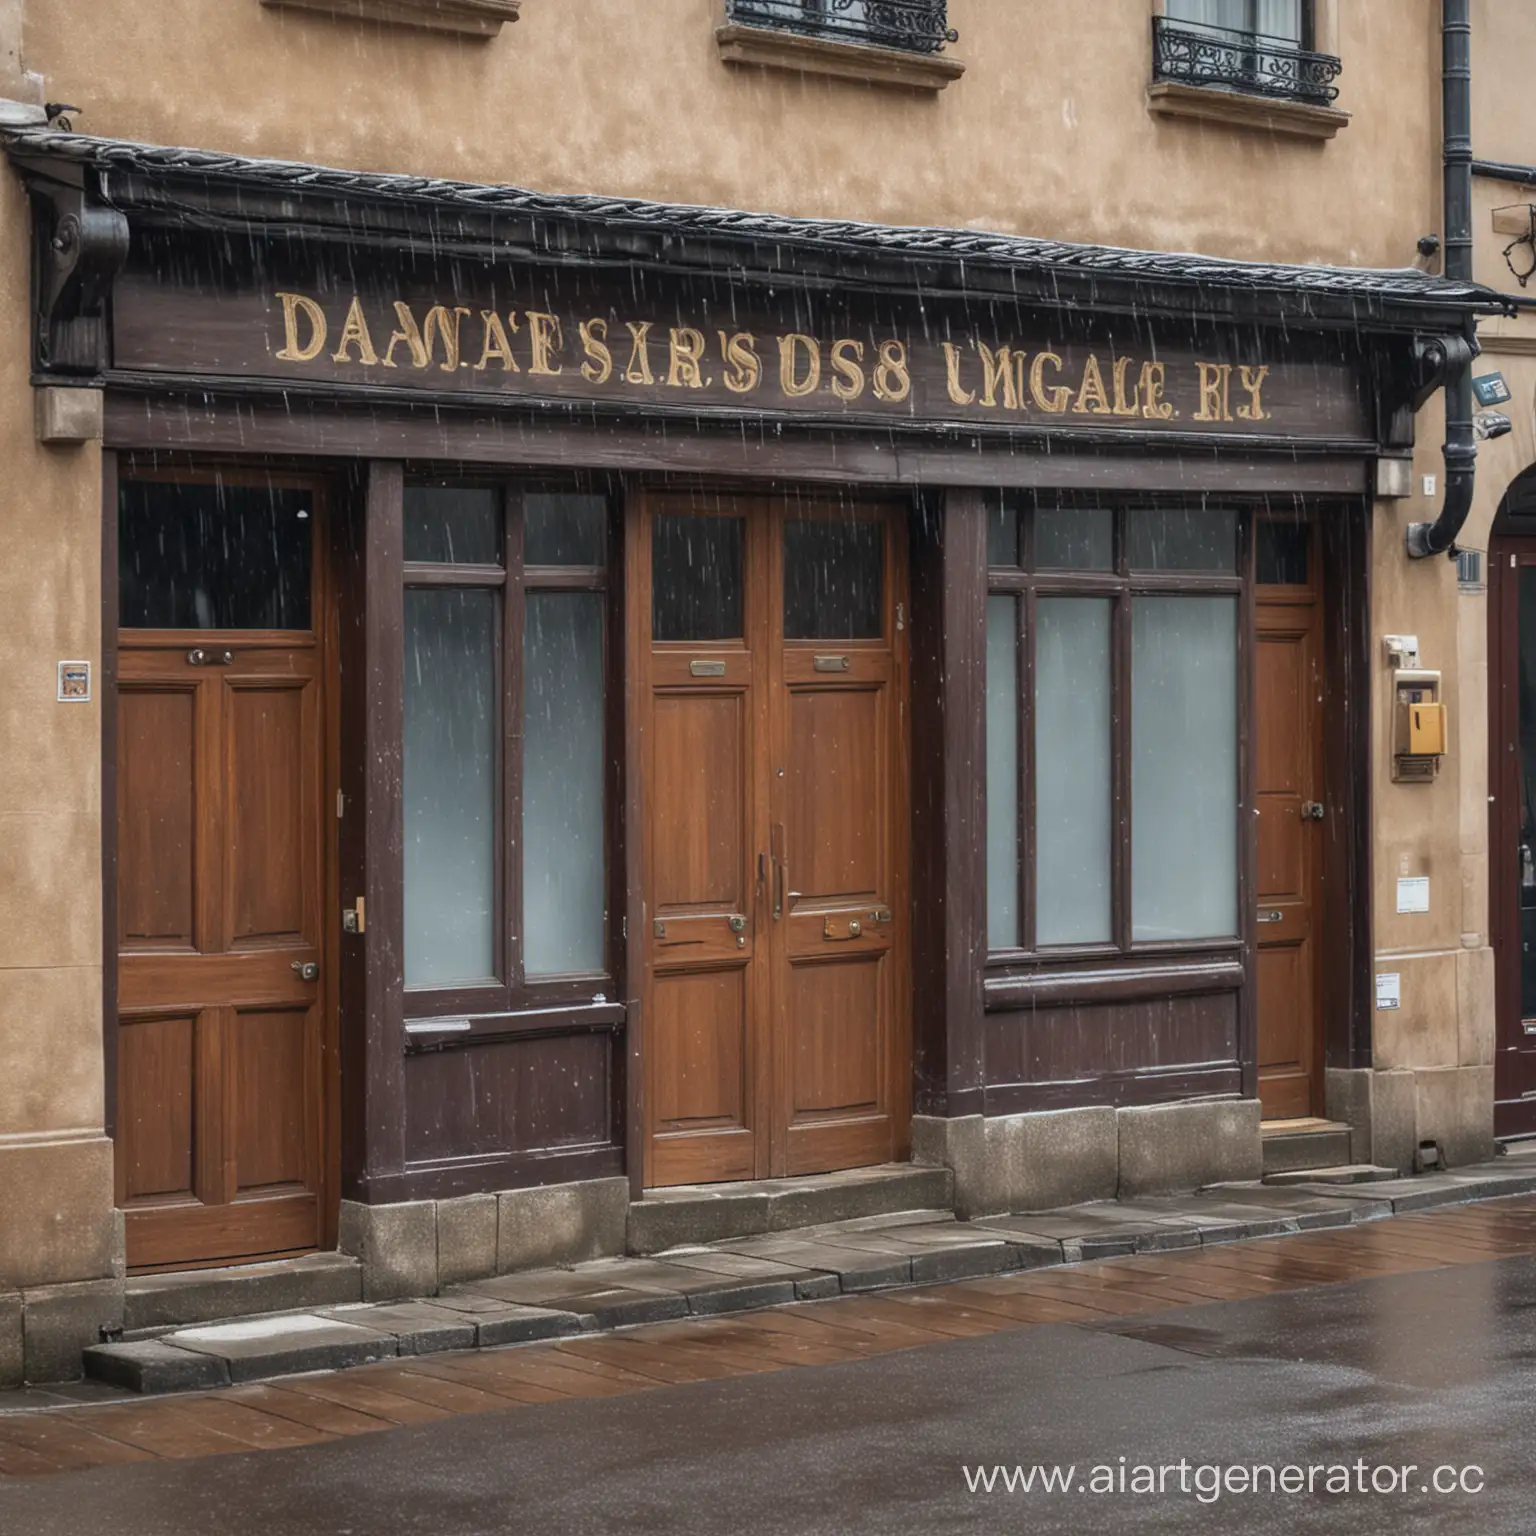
(914, 26)
(1260, 47)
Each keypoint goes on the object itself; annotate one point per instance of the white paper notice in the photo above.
(1389, 990)
(1413, 894)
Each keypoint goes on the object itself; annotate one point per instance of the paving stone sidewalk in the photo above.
(869, 1254)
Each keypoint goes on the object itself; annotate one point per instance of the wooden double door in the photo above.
(771, 637)
(221, 989)
(1291, 815)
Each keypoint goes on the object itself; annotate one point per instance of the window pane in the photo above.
(834, 579)
(1002, 773)
(453, 525)
(213, 556)
(1073, 806)
(695, 577)
(1002, 535)
(564, 529)
(1183, 767)
(1281, 556)
(1075, 540)
(563, 842)
(450, 786)
(1183, 539)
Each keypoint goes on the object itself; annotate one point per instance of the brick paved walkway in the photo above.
(311, 1410)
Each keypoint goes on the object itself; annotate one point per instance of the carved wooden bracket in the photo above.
(80, 249)
(472, 18)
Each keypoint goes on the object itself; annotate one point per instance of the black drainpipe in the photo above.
(1439, 537)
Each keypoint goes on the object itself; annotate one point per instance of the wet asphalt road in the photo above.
(1429, 1368)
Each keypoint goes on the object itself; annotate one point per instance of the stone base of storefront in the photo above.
(1037, 1162)
(1391, 1113)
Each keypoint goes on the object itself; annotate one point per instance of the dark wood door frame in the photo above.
(116, 466)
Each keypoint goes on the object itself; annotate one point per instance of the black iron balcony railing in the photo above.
(914, 26)
(1242, 61)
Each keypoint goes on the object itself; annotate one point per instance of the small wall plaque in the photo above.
(1491, 389)
(1389, 990)
(74, 682)
(1413, 894)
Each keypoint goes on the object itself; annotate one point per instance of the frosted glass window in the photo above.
(1270, 18)
(563, 842)
(1002, 773)
(564, 528)
(450, 786)
(1183, 767)
(1073, 805)
(1002, 535)
(454, 525)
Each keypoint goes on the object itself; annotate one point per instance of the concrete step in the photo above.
(1343, 1173)
(154, 1303)
(711, 1213)
(1291, 1145)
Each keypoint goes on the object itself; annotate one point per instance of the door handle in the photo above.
(198, 657)
(1272, 915)
(780, 869)
(855, 930)
(307, 970)
(1313, 810)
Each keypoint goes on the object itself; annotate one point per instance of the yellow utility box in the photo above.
(1420, 734)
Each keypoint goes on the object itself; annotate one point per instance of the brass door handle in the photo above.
(306, 970)
(855, 931)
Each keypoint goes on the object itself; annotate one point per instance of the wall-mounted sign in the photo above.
(1413, 894)
(718, 344)
(1491, 389)
(74, 682)
(1389, 990)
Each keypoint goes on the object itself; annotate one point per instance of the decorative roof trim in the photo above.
(1055, 271)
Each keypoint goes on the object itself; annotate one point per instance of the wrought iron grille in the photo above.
(1242, 61)
(914, 26)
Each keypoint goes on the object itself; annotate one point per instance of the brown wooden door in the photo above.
(220, 878)
(774, 853)
(1289, 773)
(1512, 829)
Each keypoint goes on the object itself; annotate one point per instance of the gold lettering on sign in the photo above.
(893, 381)
(1053, 399)
(1091, 396)
(545, 341)
(744, 368)
(1214, 384)
(1252, 380)
(639, 369)
(998, 369)
(686, 351)
(789, 379)
(1124, 405)
(354, 333)
(495, 343)
(957, 391)
(598, 368)
(847, 363)
(1154, 378)
(419, 340)
(294, 305)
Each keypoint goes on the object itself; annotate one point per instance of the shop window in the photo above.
(1112, 725)
(1254, 47)
(505, 696)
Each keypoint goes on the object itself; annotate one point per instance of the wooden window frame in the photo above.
(491, 1007)
(1122, 587)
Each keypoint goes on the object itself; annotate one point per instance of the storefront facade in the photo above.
(597, 694)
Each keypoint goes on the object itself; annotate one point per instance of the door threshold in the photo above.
(685, 1214)
(153, 1303)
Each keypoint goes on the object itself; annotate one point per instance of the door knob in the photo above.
(307, 970)
(1312, 810)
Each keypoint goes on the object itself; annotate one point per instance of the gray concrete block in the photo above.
(466, 1238)
(525, 1325)
(418, 1327)
(958, 1144)
(154, 1366)
(60, 1322)
(68, 416)
(285, 1346)
(244, 1290)
(12, 1371)
(741, 1296)
(396, 1244)
(1455, 1108)
(1347, 1095)
(1393, 1120)
(1168, 1148)
(674, 1218)
(864, 1192)
(560, 1224)
(601, 1295)
(1038, 1162)
(960, 1261)
(818, 1288)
